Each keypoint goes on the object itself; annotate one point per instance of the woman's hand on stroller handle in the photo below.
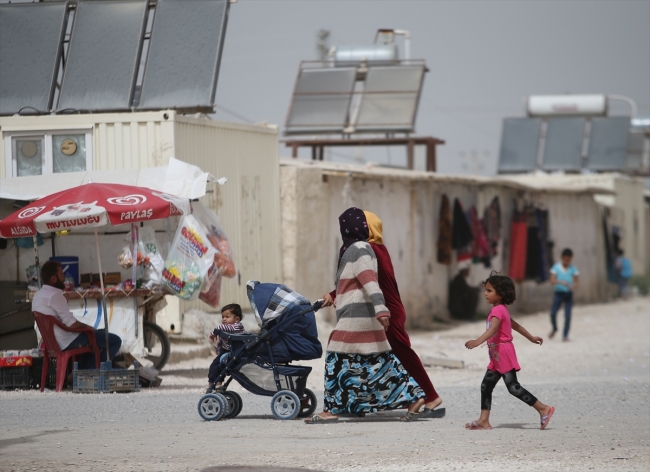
(318, 304)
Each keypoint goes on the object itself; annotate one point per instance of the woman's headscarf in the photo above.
(374, 228)
(354, 228)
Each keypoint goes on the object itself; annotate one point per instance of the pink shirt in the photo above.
(503, 357)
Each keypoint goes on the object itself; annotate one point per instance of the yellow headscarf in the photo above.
(374, 228)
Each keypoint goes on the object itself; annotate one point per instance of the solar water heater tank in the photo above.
(376, 53)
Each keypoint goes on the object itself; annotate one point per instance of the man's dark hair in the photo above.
(621, 252)
(235, 309)
(567, 253)
(503, 286)
(49, 269)
(464, 272)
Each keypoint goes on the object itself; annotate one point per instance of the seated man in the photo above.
(463, 299)
(49, 300)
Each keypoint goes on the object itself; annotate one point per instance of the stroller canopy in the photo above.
(298, 338)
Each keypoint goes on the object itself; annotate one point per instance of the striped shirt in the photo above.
(223, 345)
(359, 302)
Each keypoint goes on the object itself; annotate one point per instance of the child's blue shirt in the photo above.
(563, 274)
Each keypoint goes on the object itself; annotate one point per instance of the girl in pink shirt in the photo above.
(500, 291)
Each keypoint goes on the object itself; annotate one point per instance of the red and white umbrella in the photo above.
(91, 206)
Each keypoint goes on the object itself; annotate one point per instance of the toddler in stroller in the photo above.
(231, 316)
(261, 363)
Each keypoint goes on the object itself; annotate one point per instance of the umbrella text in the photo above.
(72, 223)
(136, 215)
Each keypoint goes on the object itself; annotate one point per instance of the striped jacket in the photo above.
(359, 302)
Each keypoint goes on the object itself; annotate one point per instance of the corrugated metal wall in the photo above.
(248, 205)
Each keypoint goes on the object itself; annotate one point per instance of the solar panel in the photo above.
(390, 98)
(184, 54)
(103, 55)
(563, 150)
(29, 52)
(321, 100)
(519, 143)
(608, 143)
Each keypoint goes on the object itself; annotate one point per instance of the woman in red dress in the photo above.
(396, 334)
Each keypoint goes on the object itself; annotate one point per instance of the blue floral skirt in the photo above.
(366, 383)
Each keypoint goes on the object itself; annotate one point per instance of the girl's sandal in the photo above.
(411, 416)
(317, 419)
(474, 426)
(546, 419)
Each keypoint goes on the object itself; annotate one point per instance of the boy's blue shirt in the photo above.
(564, 275)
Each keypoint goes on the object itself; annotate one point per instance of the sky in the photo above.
(484, 58)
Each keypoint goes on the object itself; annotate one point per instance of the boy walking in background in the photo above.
(624, 273)
(564, 277)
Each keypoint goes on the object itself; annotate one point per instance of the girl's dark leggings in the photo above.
(510, 378)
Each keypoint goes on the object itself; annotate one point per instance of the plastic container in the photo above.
(70, 267)
(15, 377)
(106, 379)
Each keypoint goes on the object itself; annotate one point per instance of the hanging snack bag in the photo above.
(154, 262)
(212, 294)
(223, 259)
(189, 259)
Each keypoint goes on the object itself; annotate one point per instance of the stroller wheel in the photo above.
(234, 404)
(285, 405)
(212, 406)
(308, 404)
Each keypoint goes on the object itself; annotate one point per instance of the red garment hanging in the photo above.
(518, 246)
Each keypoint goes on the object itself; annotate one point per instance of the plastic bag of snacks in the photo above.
(223, 259)
(211, 294)
(189, 259)
(125, 259)
(154, 261)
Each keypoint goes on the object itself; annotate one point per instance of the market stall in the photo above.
(190, 268)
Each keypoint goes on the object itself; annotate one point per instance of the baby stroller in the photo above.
(261, 362)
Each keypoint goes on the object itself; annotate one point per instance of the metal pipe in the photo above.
(407, 42)
(101, 284)
(38, 263)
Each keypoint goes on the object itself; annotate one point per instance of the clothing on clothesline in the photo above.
(445, 232)
(461, 233)
(518, 246)
(609, 255)
(492, 223)
(480, 249)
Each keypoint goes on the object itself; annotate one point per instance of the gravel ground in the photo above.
(599, 383)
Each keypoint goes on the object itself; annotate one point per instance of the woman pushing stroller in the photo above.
(362, 375)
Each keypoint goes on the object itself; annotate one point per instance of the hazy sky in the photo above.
(484, 57)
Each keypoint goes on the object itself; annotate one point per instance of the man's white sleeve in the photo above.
(59, 304)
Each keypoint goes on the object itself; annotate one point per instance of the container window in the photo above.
(69, 153)
(28, 156)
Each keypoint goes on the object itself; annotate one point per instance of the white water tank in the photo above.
(554, 105)
(377, 53)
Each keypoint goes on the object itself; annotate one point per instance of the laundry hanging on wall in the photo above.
(537, 263)
(609, 253)
(445, 232)
(480, 249)
(492, 223)
(518, 246)
(461, 233)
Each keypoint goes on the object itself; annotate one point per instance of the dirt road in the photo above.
(599, 383)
